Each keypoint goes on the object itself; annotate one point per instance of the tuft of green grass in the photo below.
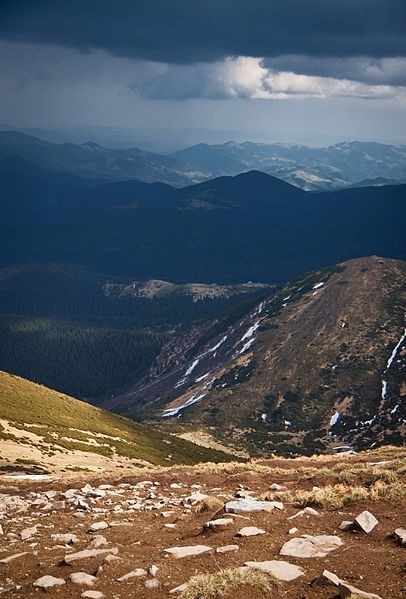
(225, 582)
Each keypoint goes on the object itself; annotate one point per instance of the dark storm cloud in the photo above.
(187, 31)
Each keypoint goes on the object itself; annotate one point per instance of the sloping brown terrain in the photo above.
(46, 521)
(319, 364)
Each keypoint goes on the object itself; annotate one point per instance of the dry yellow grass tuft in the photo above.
(336, 496)
(211, 504)
(225, 582)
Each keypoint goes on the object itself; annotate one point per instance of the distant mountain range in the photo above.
(318, 364)
(312, 169)
(251, 227)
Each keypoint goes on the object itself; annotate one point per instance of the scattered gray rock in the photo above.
(27, 533)
(293, 530)
(311, 546)
(187, 551)
(97, 526)
(227, 548)
(152, 584)
(66, 538)
(97, 542)
(344, 588)
(366, 521)
(219, 524)
(10, 558)
(195, 498)
(92, 595)
(251, 505)
(46, 582)
(400, 535)
(279, 569)
(250, 531)
(153, 570)
(346, 525)
(133, 574)
(87, 553)
(276, 487)
(82, 578)
(307, 510)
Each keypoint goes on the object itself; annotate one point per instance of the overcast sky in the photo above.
(291, 67)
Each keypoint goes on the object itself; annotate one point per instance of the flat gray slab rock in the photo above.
(250, 531)
(46, 582)
(400, 535)
(278, 568)
(97, 526)
(366, 521)
(87, 553)
(311, 546)
(344, 588)
(92, 595)
(83, 579)
(251, 505)
(133, 574)
(187, 551)
(219, 524)
(227, 548)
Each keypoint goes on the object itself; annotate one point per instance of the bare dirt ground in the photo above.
(138, 507)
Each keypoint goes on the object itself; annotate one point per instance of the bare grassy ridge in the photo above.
(63, 422)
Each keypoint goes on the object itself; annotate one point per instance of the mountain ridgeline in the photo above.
(262, 228)
(344, 164)
(318, 364)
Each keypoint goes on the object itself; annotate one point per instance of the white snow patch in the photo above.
(251, 331)
(335, 418)
(369, 422)
(263, 417)
(201, 378)
(246, 346)
(394, 409)
(285, 299)
(318, 285)
(192, 367)
(395, 351)
(215, 347)
(173, 411)
(384, 388)
(334, 366)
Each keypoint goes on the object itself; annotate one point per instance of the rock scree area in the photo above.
(151, 533)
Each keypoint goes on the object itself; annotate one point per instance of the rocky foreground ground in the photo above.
(305, 528)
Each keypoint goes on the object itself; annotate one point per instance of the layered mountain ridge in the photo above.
(318, 364)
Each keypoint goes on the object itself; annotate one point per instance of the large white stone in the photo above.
(65, 538)
(250, 531)
(251, 505)
(97, 526)
(133, 574)
(92, 595)
(187, 551)
(87, 553)
(219, 523)
(311, 546)
(278, 568)
(400, 535)
(83, 578)
(227, 548)
(45, 582)
(366, 521)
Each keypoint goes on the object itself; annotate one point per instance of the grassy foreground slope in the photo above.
(35, 417)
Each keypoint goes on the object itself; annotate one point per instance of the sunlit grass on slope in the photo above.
(70, 423)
